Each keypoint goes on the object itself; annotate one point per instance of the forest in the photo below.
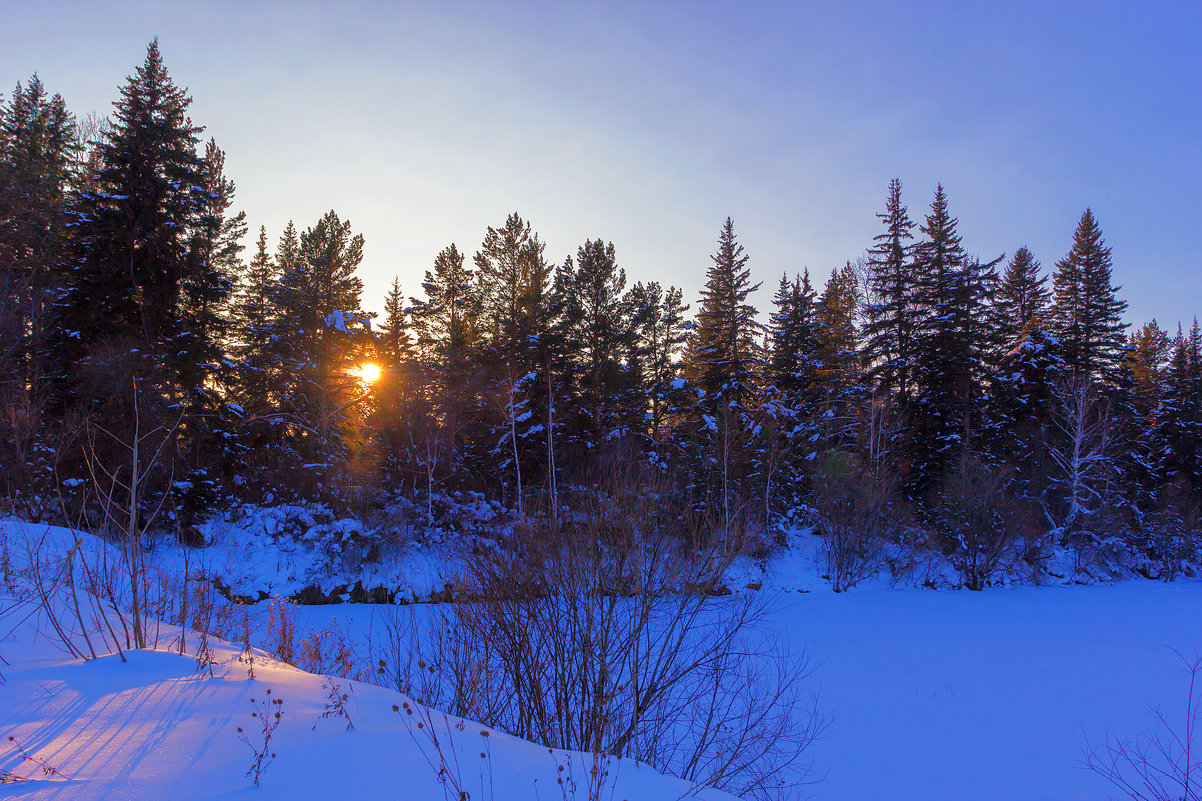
(158, 361)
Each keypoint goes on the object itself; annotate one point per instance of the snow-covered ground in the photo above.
(946, 695)
(156, 727)
(934, 694)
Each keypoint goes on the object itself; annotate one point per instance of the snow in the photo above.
(934, 694)
(946, 695)
(156, 727)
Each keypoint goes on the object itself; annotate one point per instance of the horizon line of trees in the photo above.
(131, 322)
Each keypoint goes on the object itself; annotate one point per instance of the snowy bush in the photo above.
(976, 522)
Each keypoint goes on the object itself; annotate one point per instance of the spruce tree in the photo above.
(942, 352)
(130, 343)
(1022, 297)
(38, 148)
(1177, 439)
(724, 357)
(597, 337)
(135, 231)
(893, 313)
(1087, 314)
(395, 344)
(662, 332)
(838, 307)
(321, 333)
(724, 362)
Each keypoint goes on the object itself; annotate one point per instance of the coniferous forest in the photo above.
(154, 342)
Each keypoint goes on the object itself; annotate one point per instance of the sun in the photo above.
(369, 373)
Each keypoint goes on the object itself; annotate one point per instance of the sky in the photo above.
(648, 123)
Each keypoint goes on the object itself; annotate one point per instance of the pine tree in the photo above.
(394, 340)
(662, 333)
(1023, 296)
(942, 353)
(724, 362)
(321, 335)
(513, 280)
(135, 231)
(447, 326)
(597, 337)
(37, 152)
(1087, 314)
(893, 313)
(447, 320)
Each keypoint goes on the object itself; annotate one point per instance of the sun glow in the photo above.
(369, 373)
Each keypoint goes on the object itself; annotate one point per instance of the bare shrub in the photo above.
(329, 651)
(975, 521)
(1162, 765)
(857, 511)
(45, 768)
(604, 636)
(267, 713)
(335, 707)
(279, 639)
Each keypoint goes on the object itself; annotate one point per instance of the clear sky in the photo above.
(648, 123)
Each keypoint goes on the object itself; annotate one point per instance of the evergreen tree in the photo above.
(517, 316)
(394, 340)
(837, 309)
(943, 354)
(724, 362)
(130, 342)
(447, 326)
(37, 152)
(598, 337)
(893, 312)
(724, 356)
(135, 231)
(447, 320)
(795, 340)
(320, 333)
(1177, 439)
(1023, 296)
(662, 333)
(1087, 314)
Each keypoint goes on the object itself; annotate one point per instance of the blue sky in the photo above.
(648, 123)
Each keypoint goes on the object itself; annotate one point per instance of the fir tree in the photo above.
(661, 335)
(893, 313)
(597, 335)
(724, 362)
(943, 355)
(724, 356)
(135, 231)
(38, 148)
(1087, 314)
(1023, 296)
(394, 340)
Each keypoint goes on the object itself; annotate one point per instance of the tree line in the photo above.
(134, 322)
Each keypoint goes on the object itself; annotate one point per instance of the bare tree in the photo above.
(1083, 458)
(1162, 765)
